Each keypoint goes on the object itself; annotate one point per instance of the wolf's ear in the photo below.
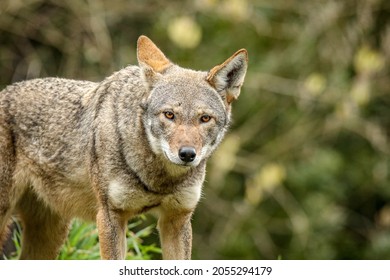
(150, 58)
(228, 77)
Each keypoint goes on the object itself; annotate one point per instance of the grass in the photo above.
(83, 242)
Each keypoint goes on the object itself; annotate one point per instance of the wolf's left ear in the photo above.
(151, 59)
(228, 77)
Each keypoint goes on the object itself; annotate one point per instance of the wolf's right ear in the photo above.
(151, 59)
(228, 77)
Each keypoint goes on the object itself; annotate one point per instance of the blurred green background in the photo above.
(304, 171)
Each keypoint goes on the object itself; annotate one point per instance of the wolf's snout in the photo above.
(187, 154)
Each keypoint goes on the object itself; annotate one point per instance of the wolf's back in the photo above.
(45, 117)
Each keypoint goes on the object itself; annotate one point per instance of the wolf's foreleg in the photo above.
(112, 234)
(176, 235)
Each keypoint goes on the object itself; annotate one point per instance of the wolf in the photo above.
(106, 152)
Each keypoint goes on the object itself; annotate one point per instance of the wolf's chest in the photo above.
(129, 198)
(136, 201)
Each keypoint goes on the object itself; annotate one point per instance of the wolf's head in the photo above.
(187, 112)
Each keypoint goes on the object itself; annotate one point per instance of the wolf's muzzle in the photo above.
(187, 154)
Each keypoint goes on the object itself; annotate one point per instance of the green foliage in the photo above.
(82, 242)
(136, 246)
(305, 171)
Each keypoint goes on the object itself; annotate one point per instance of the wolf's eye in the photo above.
(169, 115)
(205, 118)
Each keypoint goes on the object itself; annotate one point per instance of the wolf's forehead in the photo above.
(186, 82)
(184, 89)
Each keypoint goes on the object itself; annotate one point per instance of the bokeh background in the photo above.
(304, 171)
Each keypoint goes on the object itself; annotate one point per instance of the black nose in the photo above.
(187, 154)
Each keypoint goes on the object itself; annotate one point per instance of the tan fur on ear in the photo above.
(148, 53)
(216, 69)
(228, 77)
